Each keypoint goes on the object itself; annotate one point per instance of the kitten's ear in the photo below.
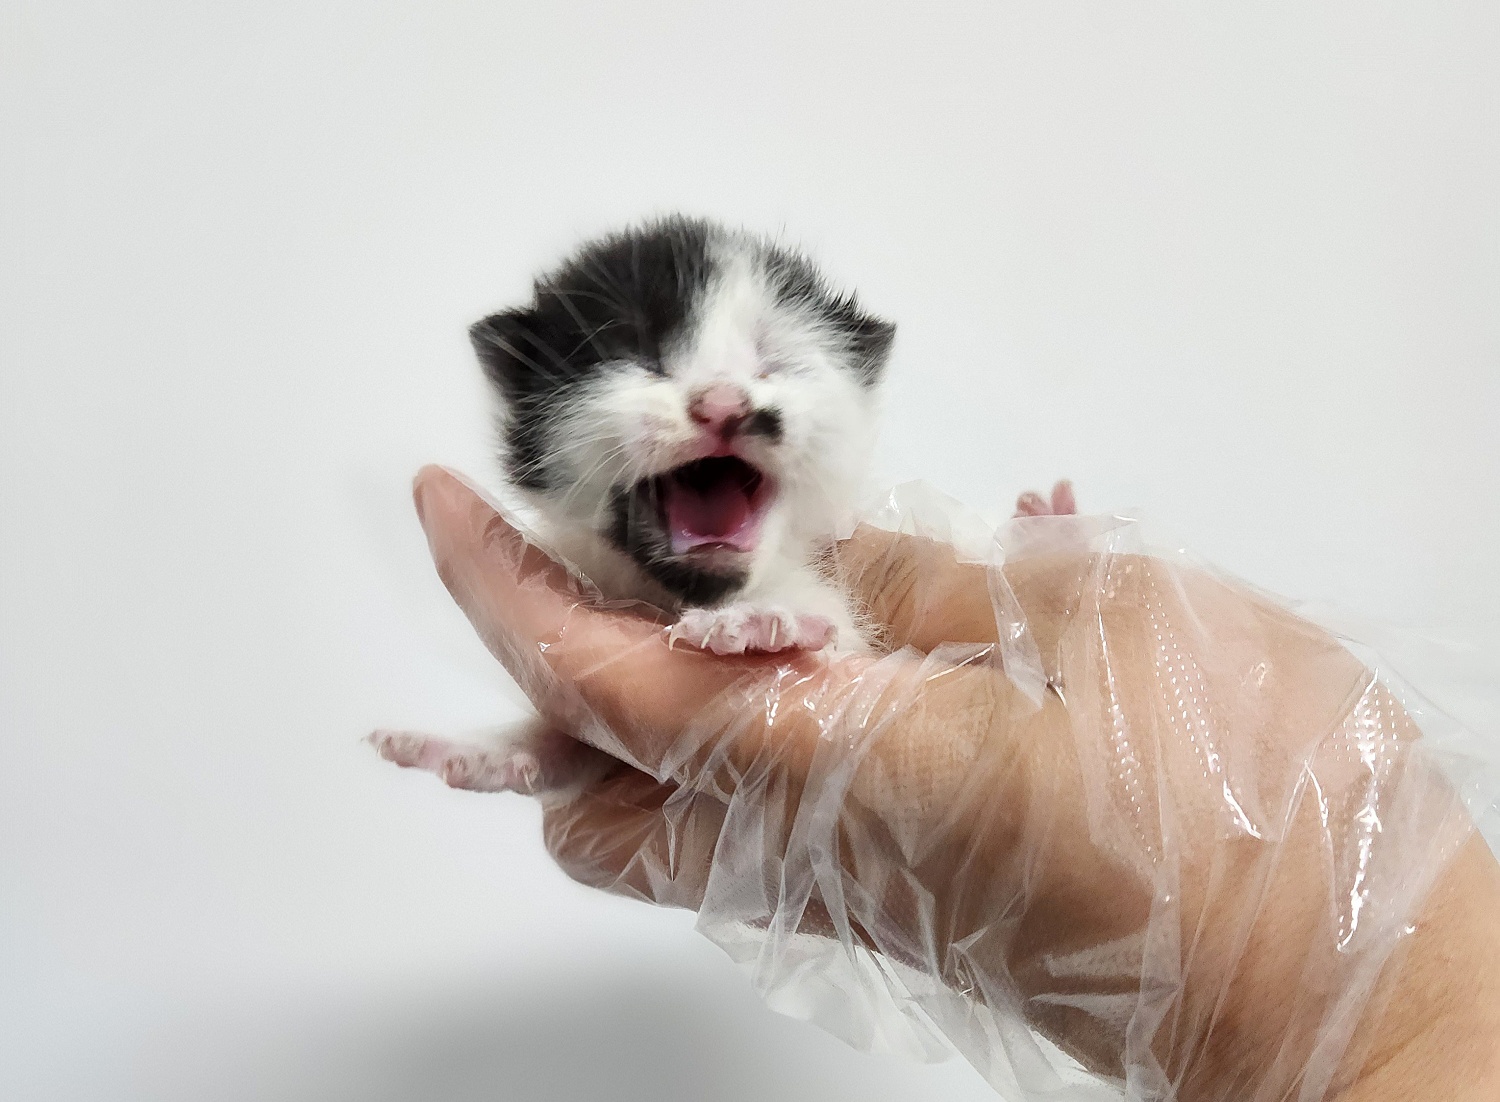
(514, 351)
(870, 340)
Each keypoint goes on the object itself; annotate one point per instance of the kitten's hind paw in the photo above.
(475, 768)
(1062, 504)
(746, 629)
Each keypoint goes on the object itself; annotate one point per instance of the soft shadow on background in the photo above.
(1235, 265)
(630, 1034)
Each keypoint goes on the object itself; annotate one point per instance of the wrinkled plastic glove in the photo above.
(1093, 802)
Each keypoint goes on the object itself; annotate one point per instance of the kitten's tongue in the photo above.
(712, 510)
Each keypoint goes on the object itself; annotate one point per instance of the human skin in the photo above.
(1000, 792)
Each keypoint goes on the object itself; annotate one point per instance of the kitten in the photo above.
(688, 411)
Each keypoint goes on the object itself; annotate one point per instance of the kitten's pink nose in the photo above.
(722, 408)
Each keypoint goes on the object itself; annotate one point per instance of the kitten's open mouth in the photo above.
(713, 504)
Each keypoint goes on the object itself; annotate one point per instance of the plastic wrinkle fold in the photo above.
(1048, 822)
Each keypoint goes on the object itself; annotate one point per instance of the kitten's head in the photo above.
(698, 398)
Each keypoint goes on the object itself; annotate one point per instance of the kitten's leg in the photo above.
(531, 758)
(1063, 504)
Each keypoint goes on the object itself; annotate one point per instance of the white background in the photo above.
(1241, 268)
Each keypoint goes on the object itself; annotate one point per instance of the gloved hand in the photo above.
(1106, 796)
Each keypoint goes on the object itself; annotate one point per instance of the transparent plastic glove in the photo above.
(1094, 800)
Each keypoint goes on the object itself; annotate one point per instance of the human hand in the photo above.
(1188, 866)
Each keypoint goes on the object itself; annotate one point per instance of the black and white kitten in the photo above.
(688, 413)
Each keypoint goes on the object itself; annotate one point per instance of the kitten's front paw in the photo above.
(746, 629)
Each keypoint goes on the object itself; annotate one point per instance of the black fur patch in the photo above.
(624, 297)
(764, 422)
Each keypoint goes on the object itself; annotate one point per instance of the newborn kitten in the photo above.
(688, 411)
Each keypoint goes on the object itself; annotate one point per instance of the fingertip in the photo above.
(456, 511)
(434, 483)
(420, 486)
